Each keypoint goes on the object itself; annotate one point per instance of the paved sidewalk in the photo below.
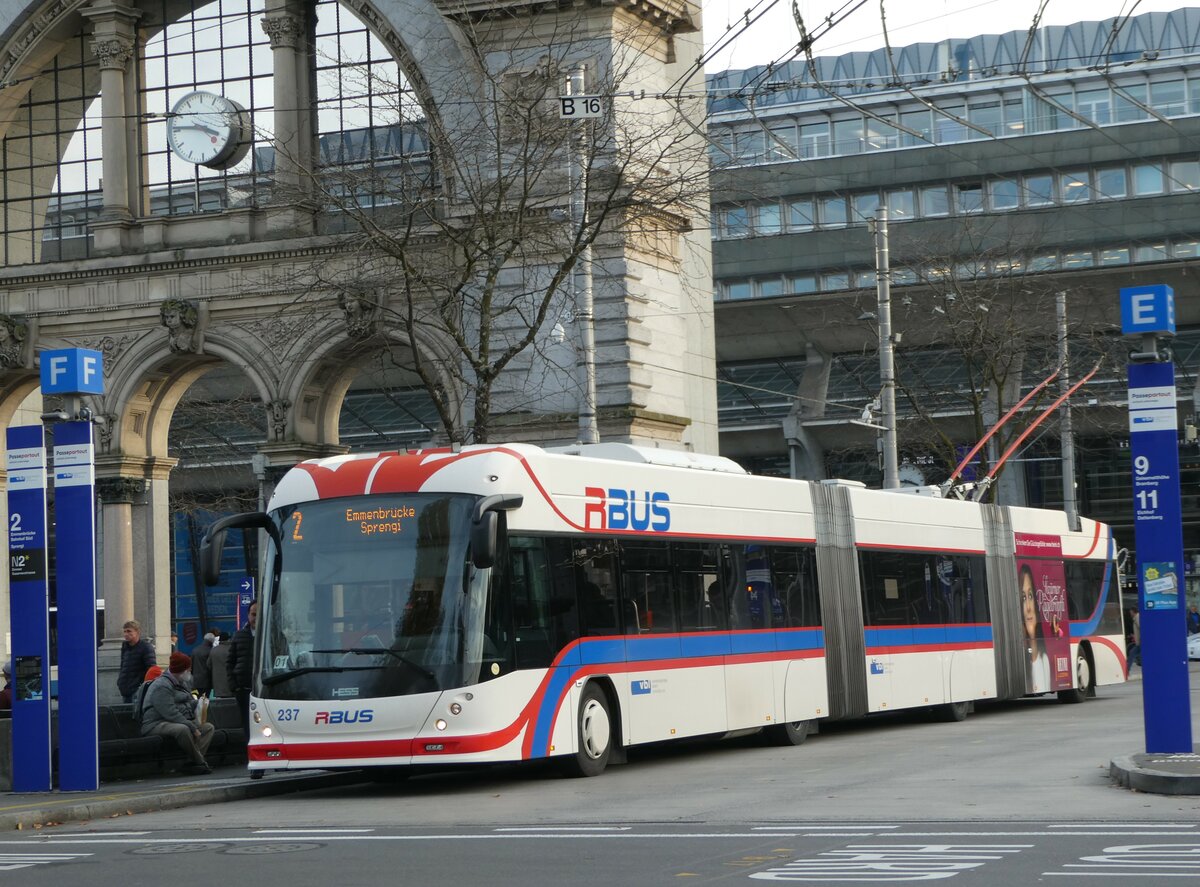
(1159, 774)
(33, 810)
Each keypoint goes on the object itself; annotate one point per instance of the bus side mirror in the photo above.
(485, 525)
(483, 540)
(213, 544)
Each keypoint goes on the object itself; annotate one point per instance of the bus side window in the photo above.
(648, 586)
(543, 600)
(596, 582)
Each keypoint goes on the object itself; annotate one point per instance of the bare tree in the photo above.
(977, 328)
(466, 262)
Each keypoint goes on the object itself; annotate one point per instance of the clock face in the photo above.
(206, 129)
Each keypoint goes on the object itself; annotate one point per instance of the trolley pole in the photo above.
(887, 367)
(1148, 312)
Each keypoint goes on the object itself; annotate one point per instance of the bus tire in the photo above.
(953, 712)
(1083, 681)
(793, 733)
(594, 734)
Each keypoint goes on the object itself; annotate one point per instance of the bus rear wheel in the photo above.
(793, 733)
(594, 731)
(1083, 681)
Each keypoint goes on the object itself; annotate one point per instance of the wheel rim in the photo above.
(594, 729)
(1083, 673)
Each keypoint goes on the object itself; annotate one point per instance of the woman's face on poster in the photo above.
(1028, 604)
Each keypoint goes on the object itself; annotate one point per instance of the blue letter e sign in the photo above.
(1147, 309)
(72, 371)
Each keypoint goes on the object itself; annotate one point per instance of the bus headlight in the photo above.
(257, 718)
(455, 708)
(266, 731)
(440, 724)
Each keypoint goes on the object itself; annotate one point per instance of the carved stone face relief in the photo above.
(180, 317)
(13, 333)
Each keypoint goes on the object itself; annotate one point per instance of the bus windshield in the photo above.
(372, 596)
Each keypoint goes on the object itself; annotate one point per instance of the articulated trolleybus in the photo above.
(507, 603)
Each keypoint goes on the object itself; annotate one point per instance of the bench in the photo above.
(125, 752)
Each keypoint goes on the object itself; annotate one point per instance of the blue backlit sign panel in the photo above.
(1147, 309)
(72, 371)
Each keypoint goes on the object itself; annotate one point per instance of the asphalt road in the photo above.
(1017, 794)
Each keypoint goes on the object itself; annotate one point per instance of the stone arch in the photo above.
(148, 383)
(317, 386)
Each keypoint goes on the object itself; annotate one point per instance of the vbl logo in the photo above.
(361, 716)
(618, 509)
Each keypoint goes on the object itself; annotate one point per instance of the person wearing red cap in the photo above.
(169, 710)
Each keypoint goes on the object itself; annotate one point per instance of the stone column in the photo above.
(113, 44)
(116, 496)
(286, 24)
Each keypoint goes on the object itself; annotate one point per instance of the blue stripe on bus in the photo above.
(675, 648)
(926, 635)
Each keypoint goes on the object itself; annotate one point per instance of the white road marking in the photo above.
(801, 826)
(13, 861)
(1125, 825)
(89, 834)
(313, 831)
(565, 828)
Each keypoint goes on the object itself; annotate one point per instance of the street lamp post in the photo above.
(589, 431)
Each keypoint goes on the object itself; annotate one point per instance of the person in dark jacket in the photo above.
(218, 662)
(6, 699)
(201, 665)
(137, 655)
(169, 710)
(240, 666)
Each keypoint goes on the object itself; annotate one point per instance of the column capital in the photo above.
(114, 490)
(283, 30)
(113, 53)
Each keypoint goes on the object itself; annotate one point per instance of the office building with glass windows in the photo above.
(1010, 168)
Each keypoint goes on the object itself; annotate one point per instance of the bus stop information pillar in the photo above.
(72, 372)
(1148, 312)
(29, 608)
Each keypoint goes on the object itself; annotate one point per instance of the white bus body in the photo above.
(704, 601)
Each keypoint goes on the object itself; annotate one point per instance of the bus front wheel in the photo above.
(594, 734)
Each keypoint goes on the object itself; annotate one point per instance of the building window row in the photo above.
(1004, 112)
(765, 287)
(1034, 190)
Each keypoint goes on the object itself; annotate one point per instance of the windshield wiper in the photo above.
(308, 669)
(368, 651)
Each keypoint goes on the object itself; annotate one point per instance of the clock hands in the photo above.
(201, 127)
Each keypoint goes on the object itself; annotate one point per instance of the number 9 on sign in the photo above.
(1141, 466)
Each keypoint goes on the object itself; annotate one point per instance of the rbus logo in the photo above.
(618, 509)
(361, 716)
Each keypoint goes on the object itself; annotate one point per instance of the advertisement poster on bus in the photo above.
(1047, 630)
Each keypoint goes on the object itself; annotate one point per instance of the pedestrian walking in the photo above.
(169, 710)
(202, 665)
(240, 667)
(137, 655)
(218, 662)
(1193, 620)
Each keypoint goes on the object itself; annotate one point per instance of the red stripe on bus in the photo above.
(930, 648)
(1088, 553)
